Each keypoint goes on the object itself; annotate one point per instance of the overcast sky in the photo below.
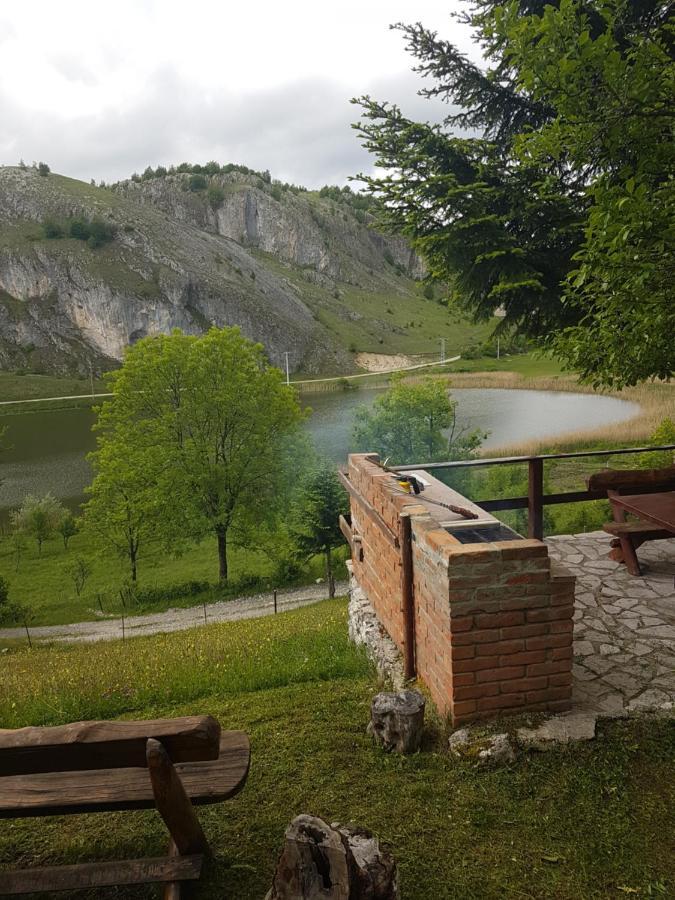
(102, 90)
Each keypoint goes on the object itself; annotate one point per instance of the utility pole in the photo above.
(442, 342)
(288, 374)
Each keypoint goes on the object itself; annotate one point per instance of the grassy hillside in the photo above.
(45, 582)
(586, 821)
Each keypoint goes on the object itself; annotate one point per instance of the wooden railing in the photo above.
(536, 499)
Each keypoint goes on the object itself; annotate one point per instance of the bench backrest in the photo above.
(632, 481)
(105, 745)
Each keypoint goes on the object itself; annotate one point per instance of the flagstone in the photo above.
(623, 625)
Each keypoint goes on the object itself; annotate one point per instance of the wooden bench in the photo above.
(628, 536)
(167, 764)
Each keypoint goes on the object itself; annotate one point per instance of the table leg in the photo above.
(627, 547)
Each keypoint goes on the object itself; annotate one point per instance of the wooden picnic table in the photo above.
(656, 508)
(656, 513)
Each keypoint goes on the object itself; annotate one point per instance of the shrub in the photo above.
(79, 229)
(197, 183)
(52, 229)
(95, 232)
(276, 191)
(215, 195)
(100, 233)
(10, 613)
(43, 169)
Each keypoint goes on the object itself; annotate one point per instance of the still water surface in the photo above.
(49, 448)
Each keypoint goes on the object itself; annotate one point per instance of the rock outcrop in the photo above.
(176, 261)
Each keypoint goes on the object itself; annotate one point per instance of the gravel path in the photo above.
(251, 607)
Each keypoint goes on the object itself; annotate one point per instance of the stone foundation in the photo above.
(366, 630)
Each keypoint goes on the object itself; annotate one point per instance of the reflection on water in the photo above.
(49, 448)
(507, 415)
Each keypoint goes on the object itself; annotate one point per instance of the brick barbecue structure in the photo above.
(485, 618)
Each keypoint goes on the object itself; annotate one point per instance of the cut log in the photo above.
(396, 720)
(313, 863)
(372, 870)
(332, 862)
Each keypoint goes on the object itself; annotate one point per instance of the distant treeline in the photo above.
(200, 174)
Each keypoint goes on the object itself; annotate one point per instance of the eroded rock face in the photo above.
(64, 306)
(292, 228)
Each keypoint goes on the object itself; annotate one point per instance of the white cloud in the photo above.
(263, 84)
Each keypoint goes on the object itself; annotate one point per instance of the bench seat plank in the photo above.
(96, 745)
(650, 528)
(100, 874)
(102, 790)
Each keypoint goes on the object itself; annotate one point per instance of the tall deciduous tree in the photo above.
(414, 423)
(198, 424)
(125, 510)
(561, 212)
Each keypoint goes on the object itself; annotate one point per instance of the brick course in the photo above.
(493, 620)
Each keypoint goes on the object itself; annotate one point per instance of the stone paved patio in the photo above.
(624, 633)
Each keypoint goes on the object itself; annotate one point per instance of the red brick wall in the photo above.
(493, 621)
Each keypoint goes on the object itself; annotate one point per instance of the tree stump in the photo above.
(332, 862)
(396, 720)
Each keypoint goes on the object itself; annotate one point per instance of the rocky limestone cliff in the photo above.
(303, 229)
(65, 306)
(176, 261)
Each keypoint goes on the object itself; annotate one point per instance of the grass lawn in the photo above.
(45, 583)
(26, 387)
(592, 821)
(529, 365)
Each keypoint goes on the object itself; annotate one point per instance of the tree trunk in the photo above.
(132, 560)
(329, 574)
(221, 535)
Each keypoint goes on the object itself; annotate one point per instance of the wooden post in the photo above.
(407, 595)
(535, 493)
(173, 804)
(275, 600)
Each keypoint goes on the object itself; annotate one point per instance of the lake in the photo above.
(49, 447)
